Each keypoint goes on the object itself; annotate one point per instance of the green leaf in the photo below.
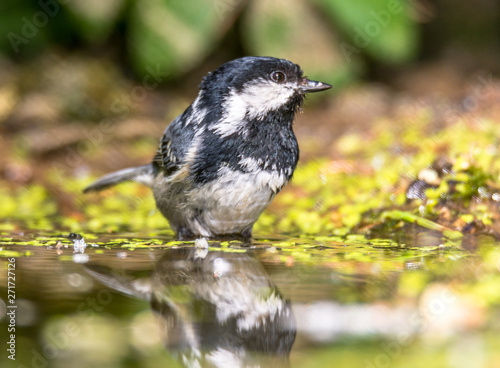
(23, 27)
(174, 35)
(382, 28)
(95, 19)
(290, 29)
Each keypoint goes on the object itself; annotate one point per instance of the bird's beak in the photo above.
(307, 86)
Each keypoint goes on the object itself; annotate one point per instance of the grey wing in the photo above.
(165, 158)
(174, 144)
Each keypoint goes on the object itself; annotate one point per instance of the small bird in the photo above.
(223, 160)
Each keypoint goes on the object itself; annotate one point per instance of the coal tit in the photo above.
(222, 161)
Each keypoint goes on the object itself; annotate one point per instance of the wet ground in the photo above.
(145, 300)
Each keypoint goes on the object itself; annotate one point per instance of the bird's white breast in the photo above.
(235, 200)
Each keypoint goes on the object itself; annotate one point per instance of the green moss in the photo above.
(5, 253)
(362, 190)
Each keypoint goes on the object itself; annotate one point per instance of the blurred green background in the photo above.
(87, 87)
(340, 41)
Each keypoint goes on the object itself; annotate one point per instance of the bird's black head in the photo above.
(252, 87)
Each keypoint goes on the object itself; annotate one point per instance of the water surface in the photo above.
(145, 300)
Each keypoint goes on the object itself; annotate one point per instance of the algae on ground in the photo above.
(362, 190)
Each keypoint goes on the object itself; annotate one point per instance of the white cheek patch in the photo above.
(263, 97)
(255, 101)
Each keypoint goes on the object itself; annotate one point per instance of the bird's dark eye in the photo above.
(278, 77)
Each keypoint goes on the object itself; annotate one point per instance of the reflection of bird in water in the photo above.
(216, 309)
(222, 161)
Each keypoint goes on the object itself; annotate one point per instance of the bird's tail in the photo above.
(141, 174)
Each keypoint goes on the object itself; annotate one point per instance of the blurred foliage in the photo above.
(175, 36)
(382, 27)
(172, 34)
(364, 191)
(345, 217)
